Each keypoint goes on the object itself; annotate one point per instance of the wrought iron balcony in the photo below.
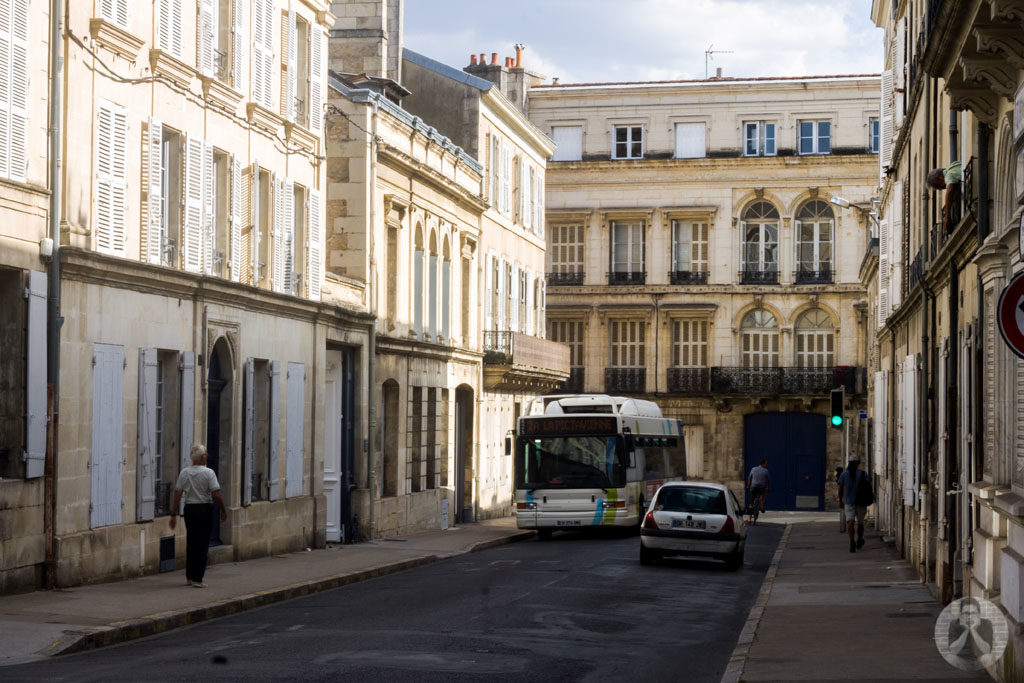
(625, 380)
(726, 380)
(573, 385)
(627, 277)
(688, 277)
(689, 380)
(775, 381)
(759, 277)
(515, 360)
(565, 279)
(813, 277)
(916, 270)
(808, 381)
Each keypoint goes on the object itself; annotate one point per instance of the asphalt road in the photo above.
(577, 608)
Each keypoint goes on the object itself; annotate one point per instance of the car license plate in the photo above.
(689, 524)
(568, 522)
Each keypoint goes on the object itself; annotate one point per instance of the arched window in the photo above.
(760, 257)
(815, 225)
(815, 340)
(759, 340)
(446, 290)
(432, 293)
(417, 281)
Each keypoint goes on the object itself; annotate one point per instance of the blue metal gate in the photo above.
(794, 445)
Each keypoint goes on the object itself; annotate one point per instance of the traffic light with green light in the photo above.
(837, 408)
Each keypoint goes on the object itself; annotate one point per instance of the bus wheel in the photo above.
(544, 534)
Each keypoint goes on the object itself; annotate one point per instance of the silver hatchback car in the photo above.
(694, 518)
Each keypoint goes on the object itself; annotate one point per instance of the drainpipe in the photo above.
(53, 317)
(371, 390)
(957, 552)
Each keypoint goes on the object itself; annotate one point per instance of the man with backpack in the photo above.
(856, 495)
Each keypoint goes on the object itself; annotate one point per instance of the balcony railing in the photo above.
(565, 279)
(688, 277)
(813, 277)
(573, 385)
(807, 381)
(514, 348)
(759, 277)
(626, 278)
(625, 380)
(916, 270)
(963, 200)
(774, 381)
(726, 380)
(689, 380)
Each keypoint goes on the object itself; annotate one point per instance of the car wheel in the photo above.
(735, 561)
(544, 534)
(647, 556)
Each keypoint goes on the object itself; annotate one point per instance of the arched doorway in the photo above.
(219, 400)
(464, 454)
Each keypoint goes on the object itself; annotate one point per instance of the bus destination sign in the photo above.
(564, 426)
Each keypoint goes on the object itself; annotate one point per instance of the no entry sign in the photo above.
(1011, 314)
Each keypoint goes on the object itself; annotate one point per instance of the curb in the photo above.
(162, 622)
(738, 659)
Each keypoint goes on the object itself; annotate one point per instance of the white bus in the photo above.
(592, 460)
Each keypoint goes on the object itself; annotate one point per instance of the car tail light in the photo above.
(649, 522)
(728, 527)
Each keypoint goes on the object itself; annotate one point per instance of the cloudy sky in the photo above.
(628, 40)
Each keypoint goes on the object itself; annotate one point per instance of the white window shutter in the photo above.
(163, 25)
(316, 78)
(18, 84)
(35, 376)
(530, 303)
(502, 296)
(258, 63)
(207, 37)
(275, 429)
(293, 62)
(187, 366)
(538, 220)
(252, 244)
(146, 446)
(489, 299)
(569, 141)
(209, 212)
(690, 143)
(239, 40)
(277, 241)
(192, 233)
(314, 257)
(288, 238)
(106, 465)
(295, 435)
(115, 11)
(287, 104)
(899, 72)
(5, 94)
(248, 430)
(886, 125)
(111, 182)
(152, 244)
(236, 220)
(170, 20)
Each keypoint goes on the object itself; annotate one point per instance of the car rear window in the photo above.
(685, 499)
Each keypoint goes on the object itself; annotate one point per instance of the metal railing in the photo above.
(565, 279)
(759, 277)
(916, 270)
(502, 347)
(625, 380)
(774, 381)
(689, 380)
(497, 346)
(627, 278)
(813, 277)
(688, 277)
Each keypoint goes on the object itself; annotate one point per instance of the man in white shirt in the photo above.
(199, 487)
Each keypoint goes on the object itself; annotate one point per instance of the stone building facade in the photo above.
(695, 258)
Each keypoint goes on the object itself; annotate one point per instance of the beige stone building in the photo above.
(947, 392)
(695, 258)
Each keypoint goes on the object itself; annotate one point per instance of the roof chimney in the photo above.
(519, 55)
(509, 62)
(483, 58)
(472, 60)
(494, 58)
(718, 72)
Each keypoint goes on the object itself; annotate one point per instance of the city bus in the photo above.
(591, 460)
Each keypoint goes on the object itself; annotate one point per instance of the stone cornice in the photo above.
(220, 94)
(167, 65)
(116, 39)
(264, 118)
(426, 173)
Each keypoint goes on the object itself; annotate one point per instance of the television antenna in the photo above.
(707, 56)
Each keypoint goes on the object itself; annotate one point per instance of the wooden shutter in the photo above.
(187, 367)
(250, 224)
(209, 211)
(502, 281)
(17, 83)
(239, 40)
(314, 257)
(146, 445)
(316, 77)
(169, 26)
(5, 92)
(288, 237)
(236, 248)
(899, 79)
(115, 11)
(152, 226)
(111, 181)
(277, 237)
(275, 428)
(880, 419)
(895, 216)
(263, 51)
(289, 52)
(530, 303)
(107, 457)
(192, 233)
(248, 430)
(35, 376)
(207, 37)
(295, 436)
(690, 143)
(569, 143)
(886, 125)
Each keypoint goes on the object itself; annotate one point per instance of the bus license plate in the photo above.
(689, 524)
(568, 522)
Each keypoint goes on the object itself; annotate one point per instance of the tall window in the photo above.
(414, 475)
(467, 289)
(815, 340)
(690, 141)
(758, 138)
(221, 212)
(297, 263)
(494, 300)
(569, 141)
(760, 227)
(815, 137)
(168, 402)
(302, 83)
(689, 343)
(510, 297)
(565, 250)
(814, 228)
(432, 285)
(628, 142)
(873, 134)
(627, 253)
(570, 333)
(689, 251)
(392, 279)
(759, 340)
(171, 199)
(627, 343)
(446, 291)
(418, 278)
(523, 290)
(501, 175)
(266, 221)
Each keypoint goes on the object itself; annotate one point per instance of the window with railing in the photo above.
(565, 250)
(627, 253)
(689, 371)
(689, 252)
(815, 225)
(760, 256)
(570, 333)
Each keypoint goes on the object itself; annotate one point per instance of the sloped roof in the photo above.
(448, 71)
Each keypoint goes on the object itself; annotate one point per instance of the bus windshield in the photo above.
(570, 462)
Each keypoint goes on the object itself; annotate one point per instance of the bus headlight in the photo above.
(526, 506)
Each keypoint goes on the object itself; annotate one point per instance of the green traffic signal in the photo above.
(837, 420)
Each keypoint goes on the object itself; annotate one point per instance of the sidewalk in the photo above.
(43, 623)
(824, 613)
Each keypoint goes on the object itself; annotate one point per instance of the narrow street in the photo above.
(577, 608)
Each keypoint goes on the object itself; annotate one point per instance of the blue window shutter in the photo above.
(145, 492)
(107, 462)
(296, 429)
(249, 429)
(187, 365)
(275, 427)
(35, 384)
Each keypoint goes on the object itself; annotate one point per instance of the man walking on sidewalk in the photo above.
(200, 488)
(849, 482)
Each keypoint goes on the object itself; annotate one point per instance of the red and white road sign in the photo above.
(1010, 314)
